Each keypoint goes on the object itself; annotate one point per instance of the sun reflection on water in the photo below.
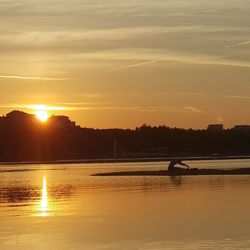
(44, 199)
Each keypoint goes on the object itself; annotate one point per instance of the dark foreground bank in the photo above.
(180, 172)
(23, 138)
(128, 160)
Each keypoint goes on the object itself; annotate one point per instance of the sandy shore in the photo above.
(179, 172)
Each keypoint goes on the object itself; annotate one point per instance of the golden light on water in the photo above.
(44, 200)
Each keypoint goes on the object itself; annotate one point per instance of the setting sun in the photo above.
(42, 115)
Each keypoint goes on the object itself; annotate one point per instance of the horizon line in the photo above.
(144, 124)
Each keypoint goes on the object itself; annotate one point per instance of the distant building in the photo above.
(19, 117)
(215, 128)
(242, 128)
(61, 122)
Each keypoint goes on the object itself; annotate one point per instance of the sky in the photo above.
(113, 63)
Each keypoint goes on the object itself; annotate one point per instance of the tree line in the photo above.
(29, 140)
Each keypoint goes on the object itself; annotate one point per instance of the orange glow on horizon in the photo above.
(42, 115)
(41, 112)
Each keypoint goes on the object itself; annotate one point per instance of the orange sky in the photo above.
(121, 64)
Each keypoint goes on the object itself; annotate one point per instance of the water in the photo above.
(64, 207)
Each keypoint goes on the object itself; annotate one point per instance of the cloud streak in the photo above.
(182, 93)
(162, 55)
(237, 97)
(237, 44)
(39, 78)
(132, 66)
(220, 119)
(72, 38)
(168, 109)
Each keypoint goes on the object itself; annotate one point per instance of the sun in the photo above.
(42, 115)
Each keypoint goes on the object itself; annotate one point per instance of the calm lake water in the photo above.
(63, 207)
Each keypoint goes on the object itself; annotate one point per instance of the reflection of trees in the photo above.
(19, 194)
(62, 191)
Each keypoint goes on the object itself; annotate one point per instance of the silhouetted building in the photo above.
(17, 115)
(242, 128)
(61, 122)
(215, 128)
(24, 138)
(20, 118)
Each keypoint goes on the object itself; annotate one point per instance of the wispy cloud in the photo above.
(185, 109)
(89, 95)
(193, 109)
(237, 44)
(220, 119)
(39, 78)
(132, 66)
(153, 55)
(42, 107)
(34, 107)
(190, 93)
(237, 97)
(79, 107)
(42, 38)
(182, 93)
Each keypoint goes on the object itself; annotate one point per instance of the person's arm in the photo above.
(183, 164)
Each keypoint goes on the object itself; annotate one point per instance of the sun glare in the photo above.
(42, 115)
(44, 199)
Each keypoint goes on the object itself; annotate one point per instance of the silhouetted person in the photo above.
(171, 166)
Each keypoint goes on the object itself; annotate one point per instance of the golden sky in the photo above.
(113, 63)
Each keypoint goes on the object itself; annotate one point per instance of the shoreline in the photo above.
(179, 172)
(128, 160)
